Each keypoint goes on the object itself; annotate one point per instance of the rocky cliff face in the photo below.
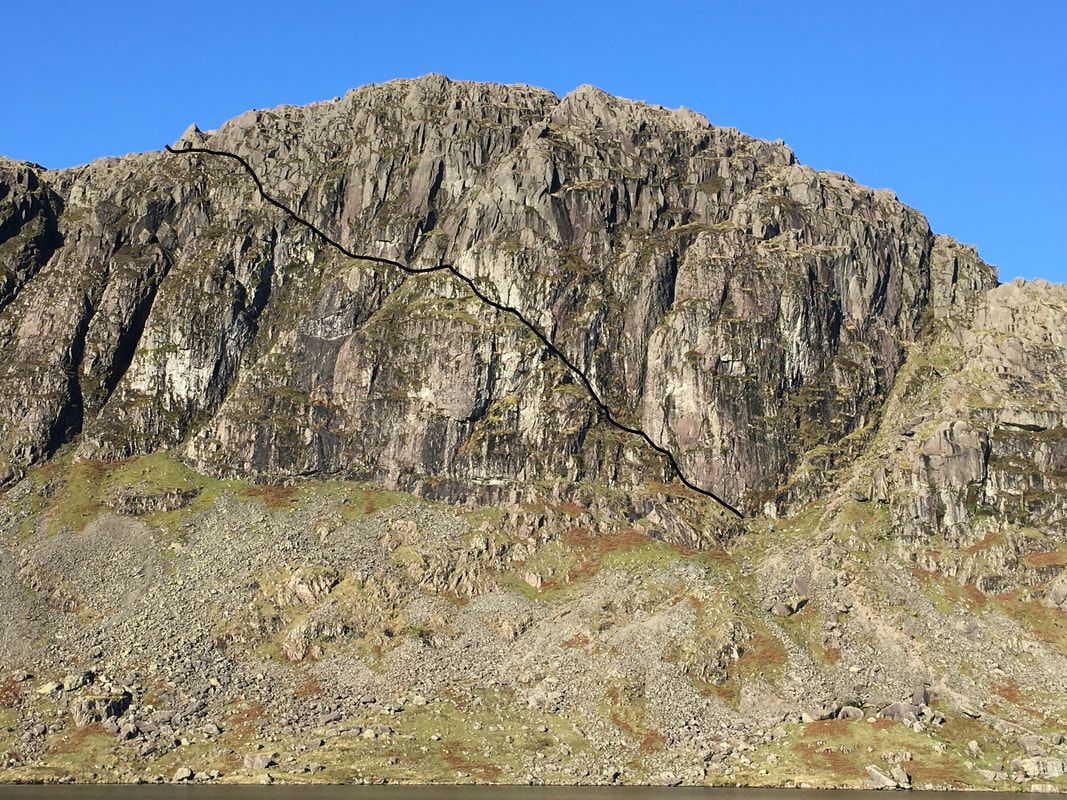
(749, 312)
(988, 448)
(221, 442)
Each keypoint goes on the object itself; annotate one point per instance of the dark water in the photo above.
(193, 792)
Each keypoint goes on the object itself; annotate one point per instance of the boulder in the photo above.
(96, 708)
(1031, 745)
(902, 778)
(1041, 767)
(1057, 593)
(898, 756)
(876, 779)
(306, 586)
(899, 711)
(139, 500)
(259, 760)
(780, 609)
(77, 680)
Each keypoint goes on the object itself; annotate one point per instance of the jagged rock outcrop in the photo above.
(984, 444)
(94, 708)
(1057, 593)
(28, 225)
(750, 313)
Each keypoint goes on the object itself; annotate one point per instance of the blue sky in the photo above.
(960, 107)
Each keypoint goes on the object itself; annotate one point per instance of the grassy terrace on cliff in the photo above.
(288, 515)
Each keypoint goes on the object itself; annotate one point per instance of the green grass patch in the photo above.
(837, 752)
(464, 738)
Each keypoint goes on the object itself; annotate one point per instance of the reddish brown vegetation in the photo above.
(823, 728)
(621, 724)
(820, 757)
(570, 508)
(763, 651)
(243, 720)
(652, 741)
(974, 596)
(1009, 690)
(9, 692)
(953, 590)
(941, 774)
(309, 688)
(451, 752)
(74, 739)
(578, 640)
(990, 540)
(1047, 624)
(1051, 558)
(274, 496)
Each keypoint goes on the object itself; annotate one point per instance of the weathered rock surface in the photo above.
(993, 442)
(743, 309)
(94, 708)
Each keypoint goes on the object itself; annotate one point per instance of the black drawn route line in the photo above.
(605, 412)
